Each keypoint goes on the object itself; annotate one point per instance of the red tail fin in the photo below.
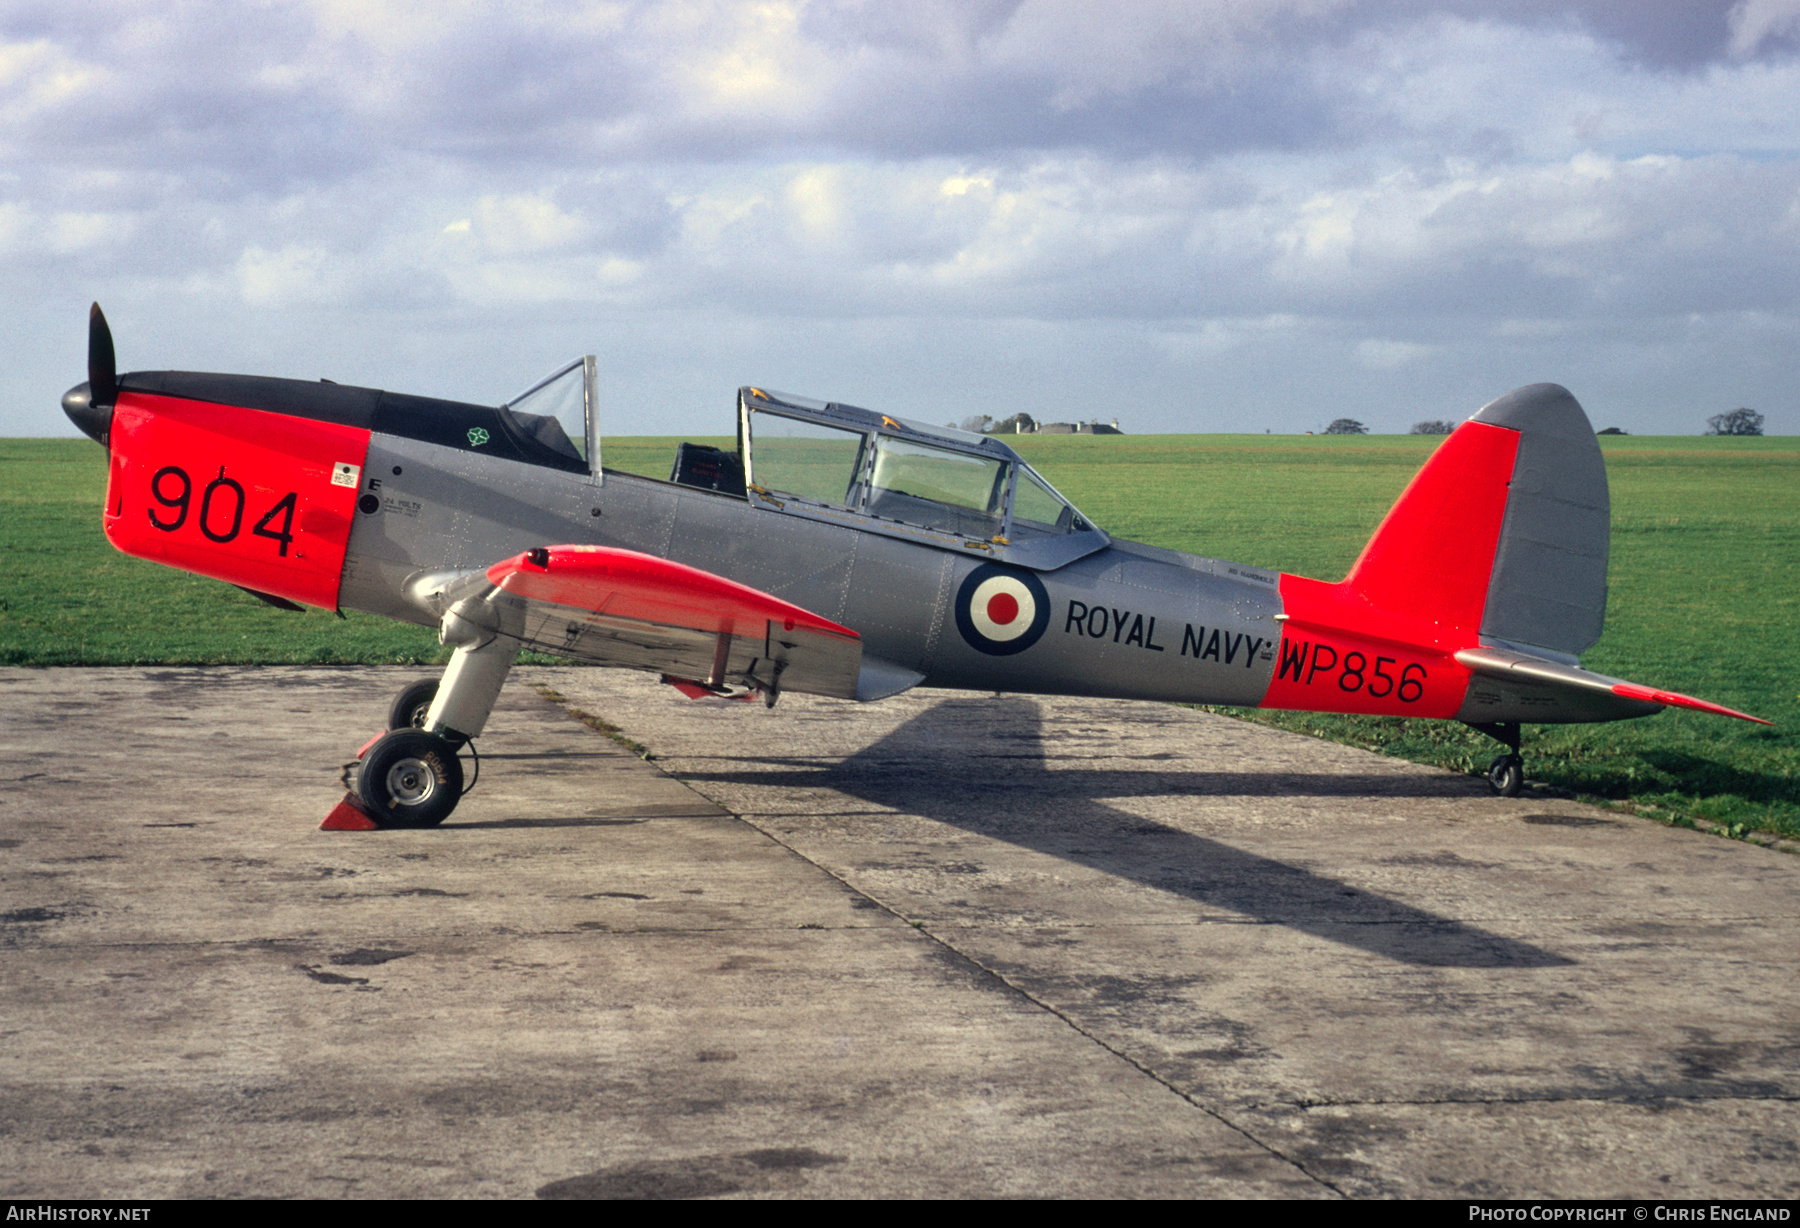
(1434, 552)
(1501, 539)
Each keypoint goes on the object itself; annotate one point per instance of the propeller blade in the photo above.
(90, 405)
(103, 368)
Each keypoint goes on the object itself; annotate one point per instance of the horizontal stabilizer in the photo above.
(1674, 699)
(1523, 687)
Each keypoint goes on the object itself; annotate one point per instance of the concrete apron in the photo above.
(954, 946)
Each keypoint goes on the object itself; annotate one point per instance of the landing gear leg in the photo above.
(1506, 774)
(464, 699)
(412, 777)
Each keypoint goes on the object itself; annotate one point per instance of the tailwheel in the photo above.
(411, 705)
(410, 778)
(1506, 774)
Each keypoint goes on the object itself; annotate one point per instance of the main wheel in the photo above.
(410, 779)
(1506, 775)
(411, 705)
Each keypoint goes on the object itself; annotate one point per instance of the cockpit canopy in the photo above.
(906, 478)
(934, 485)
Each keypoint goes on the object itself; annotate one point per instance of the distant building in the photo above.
(1090, 427)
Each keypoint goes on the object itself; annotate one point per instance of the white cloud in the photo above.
(1753, 21)
(15, 220)
(1285, 197)
(39, 76)
(75, 232)
(1089, 49)
(1384, 355)
(743, 61)
(295, 276)
(525, 223)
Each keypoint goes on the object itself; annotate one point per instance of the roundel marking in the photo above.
(1000, 610)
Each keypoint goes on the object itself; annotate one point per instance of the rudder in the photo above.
(1548, 588)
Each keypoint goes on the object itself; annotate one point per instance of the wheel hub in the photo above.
(411, 782)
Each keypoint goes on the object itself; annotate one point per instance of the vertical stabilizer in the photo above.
(1432, 556)
(1498, 543)
(1503, 534)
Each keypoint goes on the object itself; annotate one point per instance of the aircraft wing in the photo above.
(619, 607)
(1561, 685)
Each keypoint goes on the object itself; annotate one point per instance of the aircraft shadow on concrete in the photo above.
(942, 766)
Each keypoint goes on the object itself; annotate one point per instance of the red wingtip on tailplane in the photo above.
(1674, 699)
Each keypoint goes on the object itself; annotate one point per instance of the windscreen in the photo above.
(554, 411)
(1038, 511)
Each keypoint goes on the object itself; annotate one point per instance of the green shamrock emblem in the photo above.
(477, 436)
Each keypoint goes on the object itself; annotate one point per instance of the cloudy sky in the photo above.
(1192, 216)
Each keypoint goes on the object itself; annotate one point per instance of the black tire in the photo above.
(1506, 775)
(411, 705)
(410, 779)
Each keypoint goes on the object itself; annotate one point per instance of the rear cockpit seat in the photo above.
(708, 468)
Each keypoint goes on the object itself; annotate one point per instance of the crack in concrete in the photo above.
(923, 928)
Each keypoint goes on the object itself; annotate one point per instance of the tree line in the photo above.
(1740, 421)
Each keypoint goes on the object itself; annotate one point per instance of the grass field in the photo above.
(1705, 555)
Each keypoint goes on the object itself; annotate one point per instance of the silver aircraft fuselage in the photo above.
(1128, 621)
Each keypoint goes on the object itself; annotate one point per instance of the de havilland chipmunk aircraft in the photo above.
(842, 552)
